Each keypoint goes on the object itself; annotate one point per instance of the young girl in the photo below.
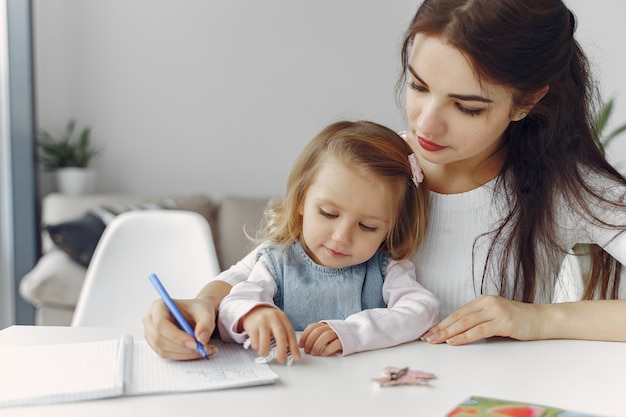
(336, 266)
(499, 105)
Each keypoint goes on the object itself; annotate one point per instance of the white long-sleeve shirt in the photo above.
(411, 310)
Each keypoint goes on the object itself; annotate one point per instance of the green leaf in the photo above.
(615, 133)
(601, 121)
(603, 116)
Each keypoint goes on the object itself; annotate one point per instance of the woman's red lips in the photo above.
(428, 145)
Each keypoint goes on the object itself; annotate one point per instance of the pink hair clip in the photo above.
(416, 169)
(399, 376)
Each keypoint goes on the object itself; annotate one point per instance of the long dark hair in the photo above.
(553, 154)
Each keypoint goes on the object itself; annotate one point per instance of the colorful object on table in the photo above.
(491, 407)
(403, 376)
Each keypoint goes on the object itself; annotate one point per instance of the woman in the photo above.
(499, 102)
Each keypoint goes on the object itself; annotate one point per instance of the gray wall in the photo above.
(602, 33)
(213, 96)
(219, 96)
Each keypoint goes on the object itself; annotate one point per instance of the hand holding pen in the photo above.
(178, 315)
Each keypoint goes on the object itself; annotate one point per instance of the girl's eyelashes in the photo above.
(368, 228)
(327, 214)
(363, 227)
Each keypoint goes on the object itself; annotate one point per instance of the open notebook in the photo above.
(45, 374)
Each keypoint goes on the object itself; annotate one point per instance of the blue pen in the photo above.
(176, 312)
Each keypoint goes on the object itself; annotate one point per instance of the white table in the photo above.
(575, 375)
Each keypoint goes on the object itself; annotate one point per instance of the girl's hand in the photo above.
(168, 340)
(487, 316)
(318, 339)
(264, 323)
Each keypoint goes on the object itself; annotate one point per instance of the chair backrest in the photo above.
(175, 245)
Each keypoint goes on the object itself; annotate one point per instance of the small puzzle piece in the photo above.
(399, 376)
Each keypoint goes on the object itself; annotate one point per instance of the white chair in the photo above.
(175, 245)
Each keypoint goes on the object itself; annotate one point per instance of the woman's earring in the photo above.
(521, 116)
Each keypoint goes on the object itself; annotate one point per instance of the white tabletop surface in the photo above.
(580, 376)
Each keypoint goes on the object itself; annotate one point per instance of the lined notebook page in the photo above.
(231, 367)
(44, 374)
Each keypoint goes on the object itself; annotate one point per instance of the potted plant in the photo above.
(69, 159)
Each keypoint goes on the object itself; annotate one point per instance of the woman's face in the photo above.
(455, 121)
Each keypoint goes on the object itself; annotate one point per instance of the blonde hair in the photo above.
(369, 146)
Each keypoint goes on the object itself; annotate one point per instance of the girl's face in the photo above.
(455, 121)
(345, 215)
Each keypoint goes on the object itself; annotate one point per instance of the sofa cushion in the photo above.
(238, 220)
(55, 280)
(108, 213)
(78, 238)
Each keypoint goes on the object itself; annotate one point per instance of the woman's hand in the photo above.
(168, 340)
(490, 315)
(318, 339)
(487, 316)
(263, 323)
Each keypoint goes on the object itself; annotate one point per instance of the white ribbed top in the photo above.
(444, 260)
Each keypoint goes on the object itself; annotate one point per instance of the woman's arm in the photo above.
(490, 315)
(588, 320)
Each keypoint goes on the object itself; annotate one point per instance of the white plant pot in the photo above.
(75, 181)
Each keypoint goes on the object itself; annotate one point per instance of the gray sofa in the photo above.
(54, 284)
